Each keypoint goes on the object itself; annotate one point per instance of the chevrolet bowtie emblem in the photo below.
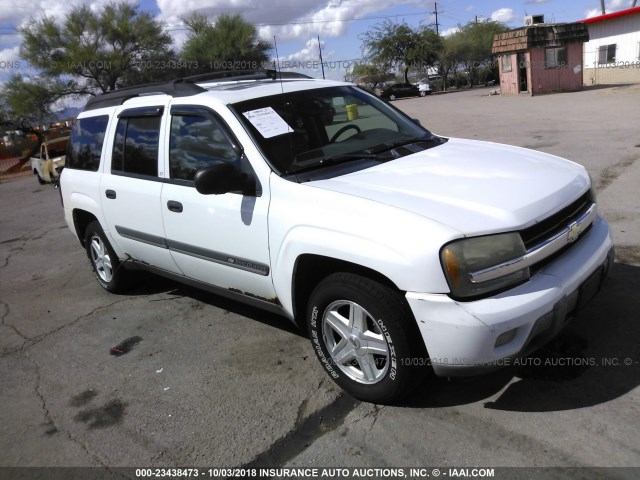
(574, 232)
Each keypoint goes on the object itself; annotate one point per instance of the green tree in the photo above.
(98, 52)
(368, 73)
(25, 103)
(228, 44)
(447, 60)
(392, 46)
(471, 47)
(399, 46)
(429, 47)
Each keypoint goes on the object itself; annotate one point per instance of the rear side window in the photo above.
(135, 150)
(85, 145)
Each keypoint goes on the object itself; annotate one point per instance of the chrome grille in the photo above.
(550, 226)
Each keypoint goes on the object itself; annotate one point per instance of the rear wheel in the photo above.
(365, 337)
(103, 260)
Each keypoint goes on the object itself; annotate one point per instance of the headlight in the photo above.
(463, 259)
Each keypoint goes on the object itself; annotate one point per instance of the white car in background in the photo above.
(49, 162)
(424, 88)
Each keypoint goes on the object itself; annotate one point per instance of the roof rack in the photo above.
(232, 75)
(239, 75)
(184, 87)
(175, 88)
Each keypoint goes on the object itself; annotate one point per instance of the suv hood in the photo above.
(474, 187)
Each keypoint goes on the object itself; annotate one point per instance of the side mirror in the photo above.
(223, 177)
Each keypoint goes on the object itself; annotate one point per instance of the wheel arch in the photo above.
(81, 220)
(310, 269)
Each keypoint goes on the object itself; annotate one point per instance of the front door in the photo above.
(221, 240)
(522, 73)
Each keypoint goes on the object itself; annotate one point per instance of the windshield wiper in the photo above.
(383, 147)
(334, 160)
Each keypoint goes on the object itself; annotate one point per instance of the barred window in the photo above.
(607, 54)
(506, 63)
(555, 57)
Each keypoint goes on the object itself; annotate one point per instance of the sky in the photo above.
(296, 24)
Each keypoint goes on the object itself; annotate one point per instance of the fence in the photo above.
(11, 168)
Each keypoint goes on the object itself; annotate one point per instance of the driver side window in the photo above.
(196, 142)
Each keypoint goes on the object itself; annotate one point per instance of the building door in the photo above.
(522, 73)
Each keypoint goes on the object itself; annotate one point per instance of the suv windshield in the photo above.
(315, 129)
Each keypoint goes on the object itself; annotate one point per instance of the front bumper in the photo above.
(461, 336)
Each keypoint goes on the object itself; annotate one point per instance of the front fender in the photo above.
(362, 251)
(400, 245)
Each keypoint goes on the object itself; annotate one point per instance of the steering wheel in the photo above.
(342, 130)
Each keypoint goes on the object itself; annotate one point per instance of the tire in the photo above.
(365, 336)
(423, 94)
(392, 97)
(41, 181)
(103, 260)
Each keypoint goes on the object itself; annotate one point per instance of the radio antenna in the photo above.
(275, 44)
(284, 103)
(279, 72)
(321, 62)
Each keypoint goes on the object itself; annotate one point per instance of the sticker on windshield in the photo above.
(267, 122)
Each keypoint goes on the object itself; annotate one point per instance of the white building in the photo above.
(612, 54)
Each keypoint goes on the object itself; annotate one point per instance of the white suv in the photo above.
(400, 250)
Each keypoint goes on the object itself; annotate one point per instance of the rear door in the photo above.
(131, 186)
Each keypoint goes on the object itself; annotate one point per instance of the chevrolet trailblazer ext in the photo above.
(399, 249)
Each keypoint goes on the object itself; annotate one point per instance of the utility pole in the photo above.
(436, 12)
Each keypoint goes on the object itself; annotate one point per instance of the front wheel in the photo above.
(365, 337)
(103, 260)
(423, 93)
(392, 97)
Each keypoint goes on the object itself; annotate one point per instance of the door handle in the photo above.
(110, 194)
(174, 206)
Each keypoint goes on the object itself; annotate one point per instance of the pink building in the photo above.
(541, 58)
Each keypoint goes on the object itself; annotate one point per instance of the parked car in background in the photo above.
(49, 162)
(399, 90)
(424, 88)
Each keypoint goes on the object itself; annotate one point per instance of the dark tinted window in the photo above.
(196, 142)
(85, 144)
(117, 162)
(57, 149)
(135, 148)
